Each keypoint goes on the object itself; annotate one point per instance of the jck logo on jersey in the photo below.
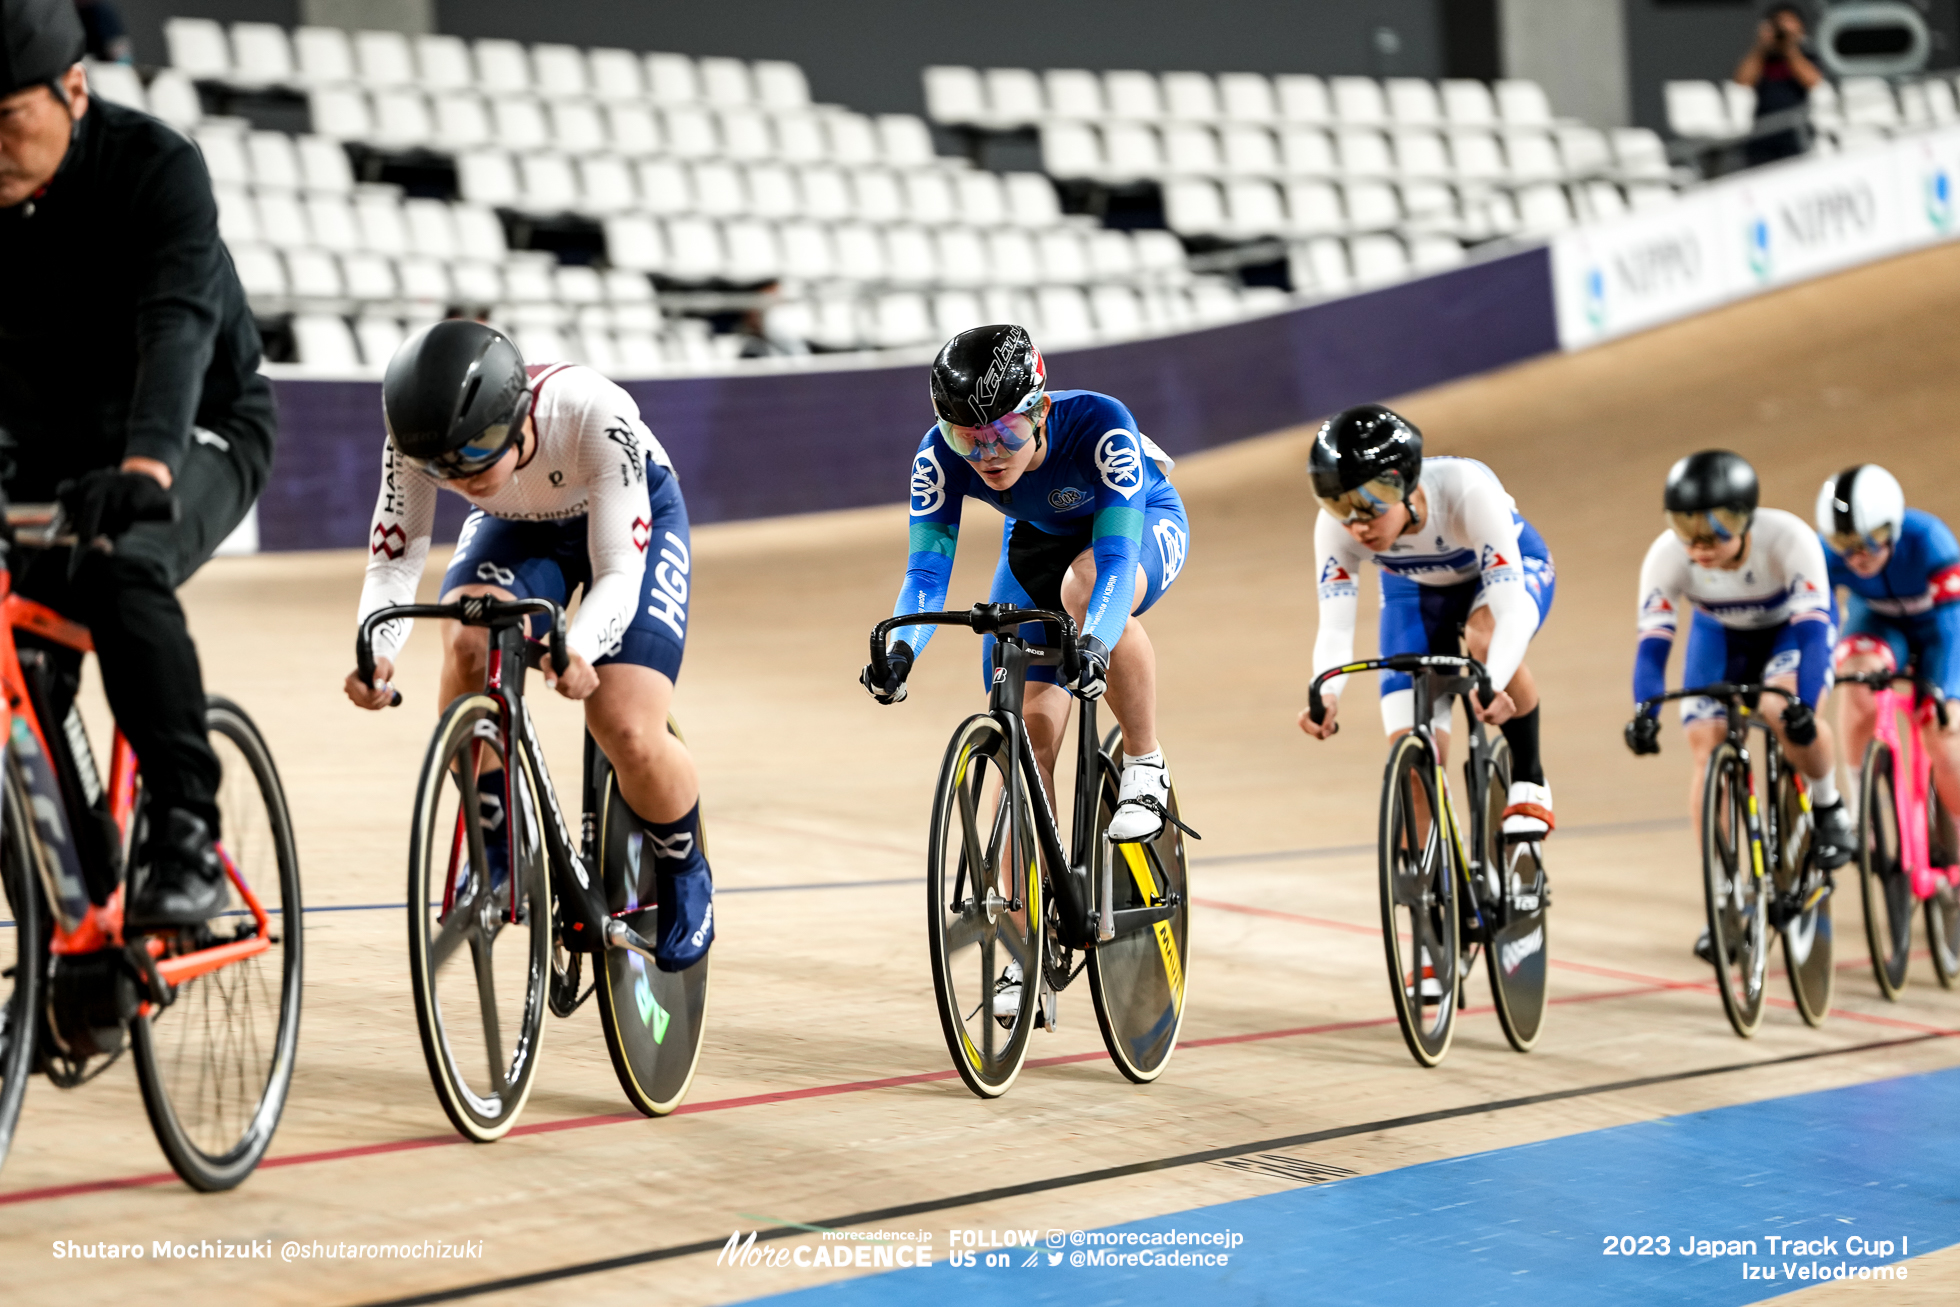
(1119, 462)
(928, 484)
(1066, 498)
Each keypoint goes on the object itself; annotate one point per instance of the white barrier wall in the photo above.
(1760, 229)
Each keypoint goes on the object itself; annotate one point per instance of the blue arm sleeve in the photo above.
(939, 482)
(1814, 646)
(1942, 664)
(1650, 664)
(1118, 541)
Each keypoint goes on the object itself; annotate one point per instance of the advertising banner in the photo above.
(1761, 229)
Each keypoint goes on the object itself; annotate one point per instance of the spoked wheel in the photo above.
(1738, 899)
(1882, 881)
(23, 955)
(1809, 952)
(479, 934)
(653, 1019)
(216, 1062)
(983, 907)
(1419, 907)
(1943, 909)
(1515, 954)
(1138, 977)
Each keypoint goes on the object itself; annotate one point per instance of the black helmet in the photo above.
(985, 373)
(39, 41)
(1364, 459)
(455, 397)
(1711, 496)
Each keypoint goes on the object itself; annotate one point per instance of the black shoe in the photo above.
(185, 883)
(1705, 947)
(1836, 839)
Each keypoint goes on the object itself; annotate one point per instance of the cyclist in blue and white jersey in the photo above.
(1094, 528)
(1455, 558)
(1900, 570)
(1756, 583)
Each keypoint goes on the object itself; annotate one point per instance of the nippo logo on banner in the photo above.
(1644, 269)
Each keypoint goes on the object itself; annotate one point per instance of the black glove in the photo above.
(108, 501)
(1091, 668)
(1644, 734)
(898, 662)
(1799, 723)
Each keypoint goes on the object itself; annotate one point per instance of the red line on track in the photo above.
(1643, 984)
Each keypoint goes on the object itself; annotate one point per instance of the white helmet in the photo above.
(1861, 507)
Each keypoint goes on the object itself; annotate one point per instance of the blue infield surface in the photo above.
(1842, 1183)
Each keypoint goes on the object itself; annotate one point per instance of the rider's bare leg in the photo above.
(627, 716)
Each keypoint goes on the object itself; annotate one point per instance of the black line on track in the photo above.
(1134, 1168)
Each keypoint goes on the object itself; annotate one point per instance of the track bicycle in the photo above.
(1906, 853)
(1759, 865)
(1439, 892)
(488, 952)
(1007, 913)
(210, 1012)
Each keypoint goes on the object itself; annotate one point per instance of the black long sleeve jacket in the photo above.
(122, 323)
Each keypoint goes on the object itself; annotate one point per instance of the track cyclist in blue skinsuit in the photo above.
(1900, 569)
(1093, 528)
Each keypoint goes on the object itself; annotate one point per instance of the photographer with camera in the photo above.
(1782, 67)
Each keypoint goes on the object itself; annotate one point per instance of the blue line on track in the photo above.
(1527, 1225)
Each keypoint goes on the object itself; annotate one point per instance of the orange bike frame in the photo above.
(81, 925)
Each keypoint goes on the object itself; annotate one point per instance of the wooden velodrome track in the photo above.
(825, 1088)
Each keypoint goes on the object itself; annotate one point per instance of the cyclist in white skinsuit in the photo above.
(569, 489)
(1454, 556)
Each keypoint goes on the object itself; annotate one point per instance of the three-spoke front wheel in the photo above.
(1809, 953)
(983, 907)
(1419, 885)
(479, 919)
(1516, 895)
(1138, 978)
(1737, 896)
(1882, 880)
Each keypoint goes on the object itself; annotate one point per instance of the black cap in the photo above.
(39, 41)
(1711, 479)
(1362, 444)
(985, 373)
(449, 383)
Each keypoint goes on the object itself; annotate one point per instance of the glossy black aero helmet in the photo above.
(455, 397)
(1364, 459)
(986, 383)
(1711, 496)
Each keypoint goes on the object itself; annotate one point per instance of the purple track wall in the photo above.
(798, 442)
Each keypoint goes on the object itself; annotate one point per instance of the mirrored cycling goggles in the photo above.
(1710, 528)
(1365, 502)
(1847, 543)
(482, 451)
(1005, 435)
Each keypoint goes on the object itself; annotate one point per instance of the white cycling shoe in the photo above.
(1528, 811)
(1007, 994)
(1141, 801)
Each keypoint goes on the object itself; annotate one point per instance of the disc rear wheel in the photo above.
(1516, 949)
(1138, 978)
(653, 1019)
(1737, 898)
(1882, 882)
(1419, 887)
(1943, 909)
(983, 908)
(1809, 952)
(23, 953)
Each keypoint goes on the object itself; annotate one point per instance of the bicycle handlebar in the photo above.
(471, 610)
(1922, 689)
(984, 619)
(1732, 691)
(39, 526)
(1317, 705)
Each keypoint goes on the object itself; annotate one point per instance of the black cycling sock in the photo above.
(1522, 734)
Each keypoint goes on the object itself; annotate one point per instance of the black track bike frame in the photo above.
(584, 925)
(1071, 877)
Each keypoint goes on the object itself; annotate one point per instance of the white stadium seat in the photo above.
(694, 249)
(116, 83)
(424, 280)
(1117, 310)
(929, 197)
(273, 160)
(781, 86)
(1522, 103)
(1131, 152)
(1308, 152)
(1868, 102)
(955, 95)
(1371, 206)
(401, 117)
(223, 149)
(1253, 208)
(1247, 98)
(1475, 156)
(442, 63)
(519, 122)
(198, 47)
(487, 177)
(323, 165)
(875, 196)
(1011, 256)
(576, 126)
(282, 220)
(1412, 102)
(369, 276)
(691, 133)
(860, 252)
(1584, 151)
(431, 228)
(1073, 94)
(174, 99)
(962, 256)
(331, 224)
(340, 112)
(384, 59)
(379, 338)
(615, 74)
(1313, 208)
(853, 139)
(1695, 110)
(1429, 206)
(1358, 101)
(902, 318)
(1249, 151)
(238, 217)
(1112, 254)
(1363, 152)
(560, 70)
(807, 251)
(671, 79)
(324, 56)
(954, 311)
(1639, 153)
(1063, 312)
(1190, 97)
(260, 271)
(905, 140)
(1378, 260)
(773, 191)
(1544, 209)
(1063, 256)
(323, 340)
(633, 129)
(634, 243)
(1530, 156)
(800, 138)
(1014, 97)
(1434, 253)
(1419, 152)
(726, 83)
(1303, 99)
(911, 257)
(719, 190)
(1194, 207)
(1191, 149)
(462, 121)
(261, 53)
(1468, 103)
(1132, 95)
(1071, 150)
(502, 66)
(982, 199)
